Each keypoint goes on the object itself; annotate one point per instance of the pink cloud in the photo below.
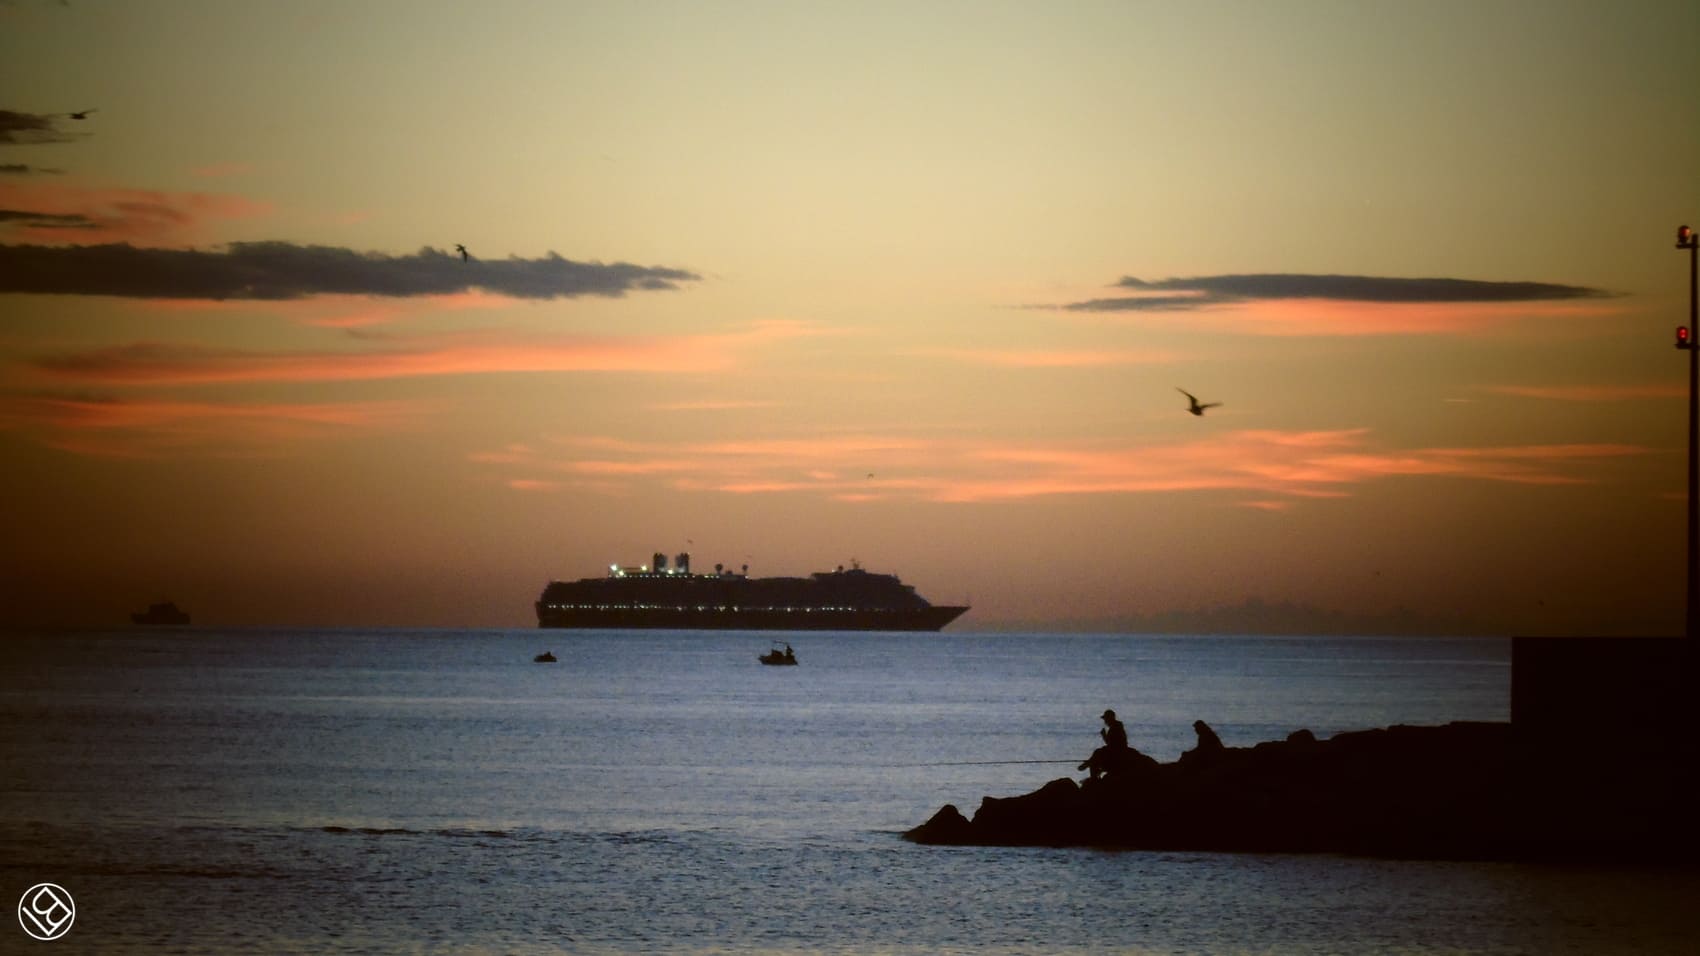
(1272, 469)
(158, 364)
(1333, 317)
(91, 215)
(379, 313)
(533, 484)
(708, 405)
(358, 311)
(517, 453)
(836, 448)
(603, 467)
(335, 311)
(1328, 317)
(155, 364)
(151, 428)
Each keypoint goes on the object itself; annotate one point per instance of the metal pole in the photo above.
(1693, 446)
(1685, 239)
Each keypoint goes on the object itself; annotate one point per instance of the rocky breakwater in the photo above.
(1450, 792)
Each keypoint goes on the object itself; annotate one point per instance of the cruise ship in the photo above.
(671, 596)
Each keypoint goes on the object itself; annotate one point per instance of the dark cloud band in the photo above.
(30, 128)
(282, 270)
(45, 220)
(1200, 291)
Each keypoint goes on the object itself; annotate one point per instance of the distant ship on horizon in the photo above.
(656, 596)
(161, 614)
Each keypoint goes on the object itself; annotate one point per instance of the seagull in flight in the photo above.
(1196, 408)
(462, 250)
(83, 114)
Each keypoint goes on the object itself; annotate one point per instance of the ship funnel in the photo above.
(660, 562)
(683, 562)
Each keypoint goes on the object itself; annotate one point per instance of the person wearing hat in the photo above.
(1114, 753)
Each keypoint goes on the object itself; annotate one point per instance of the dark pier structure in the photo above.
(1605, 748)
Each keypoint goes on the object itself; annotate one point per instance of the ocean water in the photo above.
(320, 791)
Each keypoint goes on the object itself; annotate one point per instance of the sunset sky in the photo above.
(791, 284)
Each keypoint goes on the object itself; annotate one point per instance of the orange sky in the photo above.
(790, 285)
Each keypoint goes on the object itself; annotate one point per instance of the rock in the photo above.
(1449, 792)
(948, 826)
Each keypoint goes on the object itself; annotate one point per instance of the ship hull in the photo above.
(747, 619)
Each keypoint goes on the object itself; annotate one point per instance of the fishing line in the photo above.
(978, 763)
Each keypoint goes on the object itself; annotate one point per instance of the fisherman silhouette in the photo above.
(1115, 752)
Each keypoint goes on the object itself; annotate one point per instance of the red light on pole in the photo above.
(1682, 338)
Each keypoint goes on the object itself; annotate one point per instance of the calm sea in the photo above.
(315, 791)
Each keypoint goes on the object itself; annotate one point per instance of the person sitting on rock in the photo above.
(1209, 746)
(1115, 752)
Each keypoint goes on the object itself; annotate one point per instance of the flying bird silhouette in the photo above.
(1196, 408)
(462, 250)
(83, 114)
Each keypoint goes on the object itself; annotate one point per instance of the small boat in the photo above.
(779, 656)
(162, 614)
(547, 657)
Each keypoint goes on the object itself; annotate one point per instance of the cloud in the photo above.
(1204, 291)
(1312, 317)
(144, 428)
(156, 364)
(354, 314)
(29, 129)
(104, 214)
(46, 220)
(1276, 316)
(282, 270)
(1266, 470)
(709, 405)
(1057, 358)
(533, 484)
(24, 169)
(1591, 393)
(169, 365)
